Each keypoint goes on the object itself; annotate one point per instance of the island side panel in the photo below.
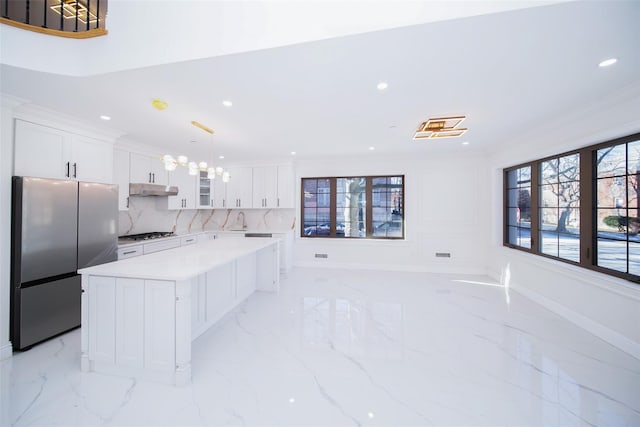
(267, 265)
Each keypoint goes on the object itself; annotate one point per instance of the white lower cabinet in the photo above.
(162, 245)
(143, 327)
(130, 322)
(246, 276)
(220, 287)
(102, 317)
(212, 296)
(159, 325)
(143, 312)
(189, 240)
(130, 251)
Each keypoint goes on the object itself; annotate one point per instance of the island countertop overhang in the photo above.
(181, 263)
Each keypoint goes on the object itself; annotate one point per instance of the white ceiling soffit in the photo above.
(144, 33)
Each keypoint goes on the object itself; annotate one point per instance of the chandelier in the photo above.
(171, 163)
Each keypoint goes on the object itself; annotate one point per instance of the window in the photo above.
(519, 206)
(579, 207)
(559, 210)
(353, 207)
(316, 210)
(617, 211)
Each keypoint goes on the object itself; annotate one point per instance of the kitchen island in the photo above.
(140, 315)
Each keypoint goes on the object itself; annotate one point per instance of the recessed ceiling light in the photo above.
(227, 103)
(293, 153)
(372, 148)
(105, 117)
(608, 62)
(382, 85)
(292, 400)
(370, 414)
(221, 157)
(465, 143)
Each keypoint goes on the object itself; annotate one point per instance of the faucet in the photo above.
(244, 222)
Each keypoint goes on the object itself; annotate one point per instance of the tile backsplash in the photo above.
(147, 214)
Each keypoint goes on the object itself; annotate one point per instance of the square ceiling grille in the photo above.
(440, 127)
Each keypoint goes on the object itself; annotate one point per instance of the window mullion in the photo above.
(587, 206)
(332, 206)
(369, 207)
(535, 207)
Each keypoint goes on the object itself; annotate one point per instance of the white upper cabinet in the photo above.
(91, 160)
(147, 169)
(205, 191)
(47, 152)
(240, 188)
(286, 187)
(219, 193)
(186, 198)
(121, 177)
(265, 187)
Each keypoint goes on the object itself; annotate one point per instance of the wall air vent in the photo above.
(440, 127)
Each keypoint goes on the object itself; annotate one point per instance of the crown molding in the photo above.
(47, 117)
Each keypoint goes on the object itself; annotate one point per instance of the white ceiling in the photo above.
(508, 72)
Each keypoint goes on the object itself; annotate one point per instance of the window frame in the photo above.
(368, 235)
(588, 234)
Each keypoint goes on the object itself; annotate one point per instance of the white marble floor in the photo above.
(350, 348)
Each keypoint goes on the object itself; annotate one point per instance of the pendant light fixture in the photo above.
(171, 163)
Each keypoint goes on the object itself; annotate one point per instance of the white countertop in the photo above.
(126, 243)
(181, 263)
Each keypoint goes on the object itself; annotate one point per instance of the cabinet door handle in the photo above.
(127, 201)
(67, 174)
(75, 170)
(278, 202)
(153, 179)
(211, 202)
(224, 203)
(149, 177)
(129, 252)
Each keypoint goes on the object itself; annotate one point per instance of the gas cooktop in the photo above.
(146, 236)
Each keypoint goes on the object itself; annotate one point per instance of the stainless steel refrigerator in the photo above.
(58, 227)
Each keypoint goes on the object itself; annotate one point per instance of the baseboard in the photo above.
(6, 351)
(607, 334)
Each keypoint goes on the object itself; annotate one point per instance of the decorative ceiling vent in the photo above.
(440, 127)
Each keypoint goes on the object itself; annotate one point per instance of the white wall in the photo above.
(606, 306)
(445, 211)
(148, 214)
(6, 170)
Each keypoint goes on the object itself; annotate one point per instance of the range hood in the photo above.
(152, 190)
